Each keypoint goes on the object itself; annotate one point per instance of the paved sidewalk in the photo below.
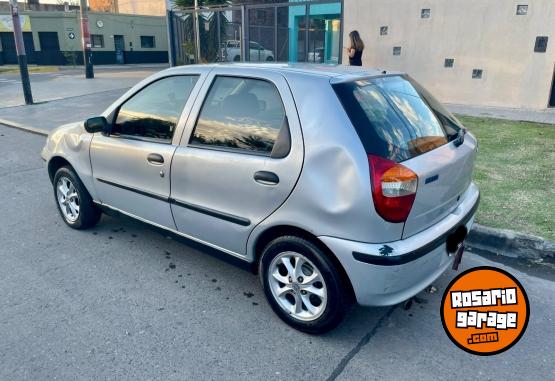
(66, 96)
(44, 117)
(70, 82)
(543, 116)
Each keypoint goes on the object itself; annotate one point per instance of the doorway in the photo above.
(9, 54)
(119, 44)
(50, 49)
(552, 97)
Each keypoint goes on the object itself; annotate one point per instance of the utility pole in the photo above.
(21, 56)
(86, 39)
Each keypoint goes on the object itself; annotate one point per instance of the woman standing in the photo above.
(355, 50)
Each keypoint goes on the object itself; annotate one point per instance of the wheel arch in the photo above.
(55, 163)
(274, 232)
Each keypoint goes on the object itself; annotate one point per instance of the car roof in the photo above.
(336, 73)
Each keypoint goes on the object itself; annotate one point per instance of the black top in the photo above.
(356, 60)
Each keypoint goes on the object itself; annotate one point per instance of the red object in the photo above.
(393, 188)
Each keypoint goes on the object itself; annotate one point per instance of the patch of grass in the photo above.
(515, 171)
(31, 69)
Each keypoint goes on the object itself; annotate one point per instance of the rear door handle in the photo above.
(154, 158)
(266, 178)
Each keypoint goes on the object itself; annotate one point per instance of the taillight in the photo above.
(393, 188)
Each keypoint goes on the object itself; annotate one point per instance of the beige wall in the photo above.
(142, 7)
(478, 34)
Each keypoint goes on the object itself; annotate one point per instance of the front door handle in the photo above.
(155, 159)
(266, 178)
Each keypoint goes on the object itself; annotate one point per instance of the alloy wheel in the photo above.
(68, 199)
(298, 286)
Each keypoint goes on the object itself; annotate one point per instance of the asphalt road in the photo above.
(122, 301)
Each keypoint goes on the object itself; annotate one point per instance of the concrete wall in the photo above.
(477, 34)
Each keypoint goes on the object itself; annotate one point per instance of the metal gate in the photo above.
(303, 31)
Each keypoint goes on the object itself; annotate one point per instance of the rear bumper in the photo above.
(389, 273)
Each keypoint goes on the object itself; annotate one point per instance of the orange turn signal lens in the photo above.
(398, 181)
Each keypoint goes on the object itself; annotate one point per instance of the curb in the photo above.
(509, 243)
(19, 126)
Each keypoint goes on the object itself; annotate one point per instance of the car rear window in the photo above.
(395, 117)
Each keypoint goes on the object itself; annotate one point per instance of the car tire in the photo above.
(74, 202)
(269, 59)
(321, 292)
(237, 58)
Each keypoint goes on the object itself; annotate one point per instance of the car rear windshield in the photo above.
(395, 117)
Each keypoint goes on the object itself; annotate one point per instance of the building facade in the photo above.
(265, 30)
(36, 5)
(476, 52)
(54, 38)
(132, 7)
(473, 52)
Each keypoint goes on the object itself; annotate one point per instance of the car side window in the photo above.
(243, 114)
(154, 111)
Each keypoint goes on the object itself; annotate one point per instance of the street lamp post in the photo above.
(86, 39)
(21, 55)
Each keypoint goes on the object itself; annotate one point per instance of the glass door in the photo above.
(324, 33)
(291, 33)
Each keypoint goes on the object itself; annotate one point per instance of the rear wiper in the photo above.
(459, 139)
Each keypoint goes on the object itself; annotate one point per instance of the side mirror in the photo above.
(97, 124)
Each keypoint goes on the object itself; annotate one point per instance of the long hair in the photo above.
(356, 41)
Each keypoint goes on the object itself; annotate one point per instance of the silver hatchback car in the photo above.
(336, 184)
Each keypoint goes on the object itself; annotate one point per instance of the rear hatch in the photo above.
(398, 120)
(444, 174)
